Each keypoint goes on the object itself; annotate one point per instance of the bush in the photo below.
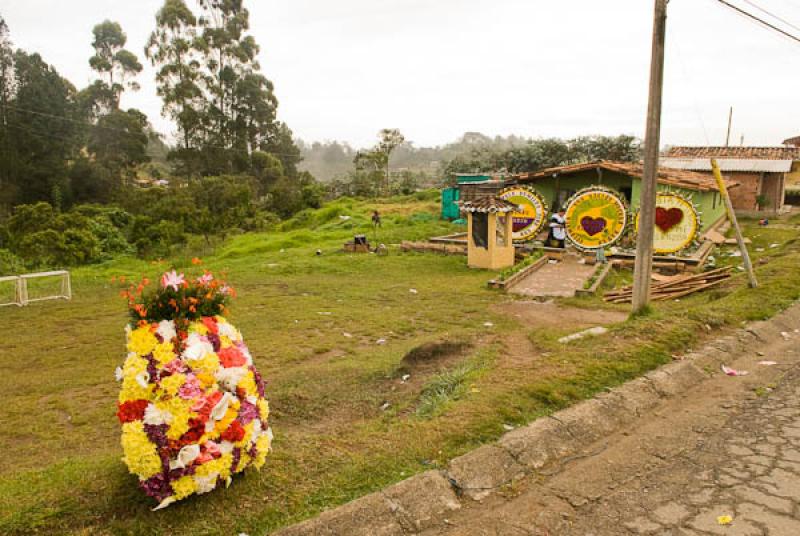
(10, 264)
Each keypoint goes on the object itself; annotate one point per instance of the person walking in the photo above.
(376, 219)
(558, 229)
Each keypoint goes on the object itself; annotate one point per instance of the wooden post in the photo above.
(730, 124)
(723, 192)
(647, 201)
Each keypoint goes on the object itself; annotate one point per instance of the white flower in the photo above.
(156, 417)
(206, 483)
(221, 408)
(246, 354)
(166, 502)
(143, 379)
(226, 447)
(229, 378)
(186, 456)
(166, 328)
(196, 347)
(227, 330)
(118, 374)
(256, 428)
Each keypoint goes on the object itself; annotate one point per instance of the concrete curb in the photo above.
(424, 501)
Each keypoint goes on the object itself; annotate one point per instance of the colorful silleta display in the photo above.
(528, 223)
(677, 222)
(192, 403)
(596, 218)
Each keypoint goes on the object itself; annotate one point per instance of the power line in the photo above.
(759, 20)
(773, 15)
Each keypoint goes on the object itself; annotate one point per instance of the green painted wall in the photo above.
(709, 203)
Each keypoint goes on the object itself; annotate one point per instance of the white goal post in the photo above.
(21, 296)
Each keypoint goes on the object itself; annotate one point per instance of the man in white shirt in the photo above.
(558, 229)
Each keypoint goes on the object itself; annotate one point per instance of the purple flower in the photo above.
(214, 340)
(157, 487)
(247, 412)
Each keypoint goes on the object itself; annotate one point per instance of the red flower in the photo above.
(211, 324)
(231, 357)
(131, 411)
(197, 428)
(204, 405)
(234, 433)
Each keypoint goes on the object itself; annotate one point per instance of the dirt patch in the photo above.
(536, 314)
(433, 351)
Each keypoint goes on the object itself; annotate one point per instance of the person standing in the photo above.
(558, 229)
(376, 218)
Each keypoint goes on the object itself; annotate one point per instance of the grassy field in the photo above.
(314, 324)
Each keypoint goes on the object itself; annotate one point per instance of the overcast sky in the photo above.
(437, 68)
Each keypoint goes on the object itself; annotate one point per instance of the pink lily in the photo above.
(205, 279)
(172, 279)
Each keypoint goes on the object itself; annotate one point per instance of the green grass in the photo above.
(63, 474)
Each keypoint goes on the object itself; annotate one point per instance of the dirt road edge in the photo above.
(425, 500)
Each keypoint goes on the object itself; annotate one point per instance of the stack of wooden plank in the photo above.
(673, 287)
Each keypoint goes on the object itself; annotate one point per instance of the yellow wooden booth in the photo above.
(489, 232)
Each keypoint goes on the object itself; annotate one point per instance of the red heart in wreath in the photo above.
(667, 219)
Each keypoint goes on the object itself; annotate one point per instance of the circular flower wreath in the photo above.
(192, 404)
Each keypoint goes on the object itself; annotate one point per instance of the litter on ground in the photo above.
(592, 332)
(733, 372)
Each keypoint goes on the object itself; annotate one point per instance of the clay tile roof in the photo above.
(793, 141)
(488, 204)
(751, 153)
(690, 180)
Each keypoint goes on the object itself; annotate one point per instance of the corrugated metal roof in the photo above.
(752, 153)
(729, 164)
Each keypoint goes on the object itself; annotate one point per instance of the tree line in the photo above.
(63, 149)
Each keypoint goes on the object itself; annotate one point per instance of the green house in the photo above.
(557, 185)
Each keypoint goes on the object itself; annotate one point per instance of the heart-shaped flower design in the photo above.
(666, 219)
(593, 226)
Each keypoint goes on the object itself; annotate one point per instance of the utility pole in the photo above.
(730, 123)
(652, 141)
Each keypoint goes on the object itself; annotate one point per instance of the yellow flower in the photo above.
(206, 379)
(142, 340)
(225, 342)
(183, 487)
(141, 456)
(164, 353)
(198, 327)
(230, 416)
(263, 444)
(248, 435)
(209, 363)
(134, 367)
(244, 461)
(171, 384)
(248, 383)
(221, 466)
(181, 413)
(263, 409)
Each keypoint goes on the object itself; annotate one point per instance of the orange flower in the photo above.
(197, 261)
(122, 279)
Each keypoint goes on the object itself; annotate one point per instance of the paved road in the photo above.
(730, 447)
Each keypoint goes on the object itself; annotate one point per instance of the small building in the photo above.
(489, 233)
(557, 185)
(763, 173)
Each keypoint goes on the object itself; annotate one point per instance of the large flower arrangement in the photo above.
(192, 403)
